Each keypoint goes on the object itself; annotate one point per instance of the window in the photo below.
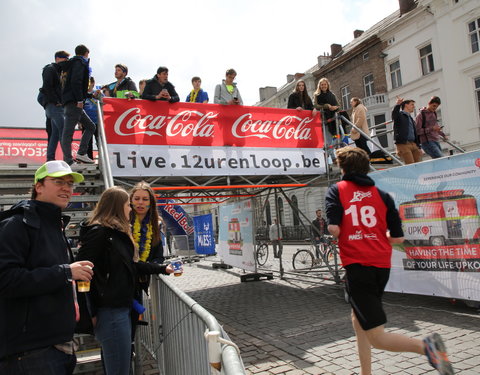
(281, 212)
(365, 56)
(477, 93)
(296, 219)
(426, 59)
(368, 85)
(474, 32)
(345, 90)
(395, 74)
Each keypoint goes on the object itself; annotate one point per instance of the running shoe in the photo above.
(84, 159)
(436, 353)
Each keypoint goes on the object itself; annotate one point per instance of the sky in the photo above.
(263, 40)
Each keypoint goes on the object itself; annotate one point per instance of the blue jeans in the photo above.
(74, 115)
(45, 361)
(433, 149)
(114, 332)
(55, 115)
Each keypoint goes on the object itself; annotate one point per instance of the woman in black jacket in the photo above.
(299, 98)
(106, 240)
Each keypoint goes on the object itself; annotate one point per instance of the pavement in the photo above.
(301, 324)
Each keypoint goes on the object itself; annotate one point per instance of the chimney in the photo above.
(323, 59)
(298, 75)
(290, 78)
(406, 6)
(267, 92)
(357, 33)
(335, 49)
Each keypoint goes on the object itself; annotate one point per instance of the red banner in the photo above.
(28, 145)
(144, 122)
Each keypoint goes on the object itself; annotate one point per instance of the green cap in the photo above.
(56, 168)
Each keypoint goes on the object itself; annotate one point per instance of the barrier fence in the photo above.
(182, 336)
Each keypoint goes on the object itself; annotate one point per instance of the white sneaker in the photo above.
(84, 159)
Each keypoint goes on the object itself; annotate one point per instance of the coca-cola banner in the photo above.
(148, 138)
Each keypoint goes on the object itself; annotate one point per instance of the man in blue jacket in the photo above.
(405, 133)
(76, 73)
(38, 311)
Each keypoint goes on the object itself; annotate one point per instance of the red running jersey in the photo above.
(363, 231)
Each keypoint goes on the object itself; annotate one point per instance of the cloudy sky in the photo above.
(263, 40)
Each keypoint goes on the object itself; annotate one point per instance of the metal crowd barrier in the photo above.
(182, 336)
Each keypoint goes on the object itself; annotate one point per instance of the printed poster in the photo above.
(236, 235)
(204, 238)
(438, 204)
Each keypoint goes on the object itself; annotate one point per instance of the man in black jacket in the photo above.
(404, 132)
(123, 87)
(37, 295)
(158, 88)
(52, 101)
(75, 91)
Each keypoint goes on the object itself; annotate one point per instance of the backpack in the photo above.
(66, 67)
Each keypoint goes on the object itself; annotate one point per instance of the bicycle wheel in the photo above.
(302, 259)
(262, 254)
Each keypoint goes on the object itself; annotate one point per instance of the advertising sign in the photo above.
(438, 205)
(204, 239)
(147, 138)
(29, 145)
(236, 235)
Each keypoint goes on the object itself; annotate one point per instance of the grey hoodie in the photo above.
(222, 96)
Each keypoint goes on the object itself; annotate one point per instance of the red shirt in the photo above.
(363, 235)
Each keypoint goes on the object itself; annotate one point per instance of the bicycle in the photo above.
(323, 252)
(261, 251)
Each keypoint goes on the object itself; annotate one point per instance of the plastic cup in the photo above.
(177, 268)
(83, 286)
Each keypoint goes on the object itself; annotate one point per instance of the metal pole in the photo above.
(107, 171)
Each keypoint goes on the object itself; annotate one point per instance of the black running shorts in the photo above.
(365, 286)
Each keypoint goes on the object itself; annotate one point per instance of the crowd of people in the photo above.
(121, 241)
(69, 96)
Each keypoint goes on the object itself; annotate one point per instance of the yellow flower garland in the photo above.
(148, 240)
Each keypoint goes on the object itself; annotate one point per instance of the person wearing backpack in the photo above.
(38, 311)
(75, 78)
(428, 130)
(50, 98)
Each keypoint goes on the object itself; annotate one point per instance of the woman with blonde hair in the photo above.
(299, 98)
(324, 99)
(106, 240)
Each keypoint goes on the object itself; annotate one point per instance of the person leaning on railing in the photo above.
(359, 119)
(159, 88)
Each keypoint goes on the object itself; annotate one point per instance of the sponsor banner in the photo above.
(28, 145)
(204, 239)
(139, 160)
(438, 204)
(235, 235)
(179, 224)
(145, 122)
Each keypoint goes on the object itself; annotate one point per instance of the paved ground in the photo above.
(295, 327)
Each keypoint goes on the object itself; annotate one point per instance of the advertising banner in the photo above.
(236, 235)
(28, 145)
(149, 138)
(204, 239)
(438, 204)
(179, 224)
